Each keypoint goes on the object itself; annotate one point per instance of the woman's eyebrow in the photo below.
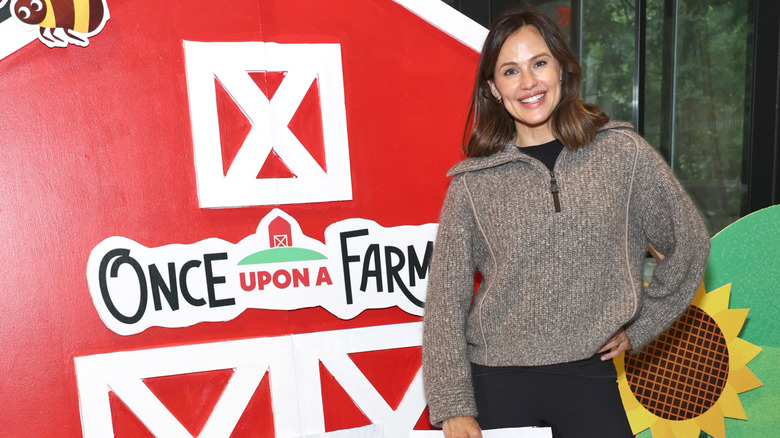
(531, 59)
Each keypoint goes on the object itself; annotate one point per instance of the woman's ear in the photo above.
(494, 90)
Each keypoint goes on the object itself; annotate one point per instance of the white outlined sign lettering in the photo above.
(231, 63)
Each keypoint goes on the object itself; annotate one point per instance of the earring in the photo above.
(498, 99)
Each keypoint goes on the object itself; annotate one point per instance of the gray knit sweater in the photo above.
(555, 284)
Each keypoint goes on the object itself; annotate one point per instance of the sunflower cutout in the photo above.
(687, 380)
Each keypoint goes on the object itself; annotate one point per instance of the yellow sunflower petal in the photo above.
(685, 429)
(662, 429)
(629, 399)
(711, 421)
(743, 380)
(729, 401)
(701, 293)
(730, 321)
(620, 365)
(741, 352)
(640, 419)
(714, 301)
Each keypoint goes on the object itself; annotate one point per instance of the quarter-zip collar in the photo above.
(510, 153)
(506, 155)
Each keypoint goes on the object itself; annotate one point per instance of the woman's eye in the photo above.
(540, 64)
(511, 71)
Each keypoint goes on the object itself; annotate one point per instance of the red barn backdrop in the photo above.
(114, 144)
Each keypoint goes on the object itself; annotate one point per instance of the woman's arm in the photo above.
(673, 226)
(446, 366)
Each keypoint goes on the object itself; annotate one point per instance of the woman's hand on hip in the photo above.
(617, 344)
(461, 427)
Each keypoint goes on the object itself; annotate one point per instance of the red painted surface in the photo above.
(390, 371)
(190, 397)
(306, 124)
(233, 126)
(96, 142)
(257, 419)
(339, 409)
(126, 424)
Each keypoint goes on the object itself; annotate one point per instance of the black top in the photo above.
(547, 153)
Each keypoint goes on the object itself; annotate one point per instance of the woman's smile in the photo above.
(533, 99)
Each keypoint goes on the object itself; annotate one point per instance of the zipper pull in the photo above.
(554, 191)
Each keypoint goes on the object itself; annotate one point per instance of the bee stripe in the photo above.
(81, 16)
(48, 20)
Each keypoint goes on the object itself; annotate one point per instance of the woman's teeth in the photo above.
(533, 99)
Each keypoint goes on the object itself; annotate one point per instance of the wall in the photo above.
(141, 166)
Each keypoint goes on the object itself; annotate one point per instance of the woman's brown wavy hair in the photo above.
(490, 126)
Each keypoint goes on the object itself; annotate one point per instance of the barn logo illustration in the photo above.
(269, 123)
(361, 265)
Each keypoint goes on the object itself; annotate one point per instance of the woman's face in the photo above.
(527, 80)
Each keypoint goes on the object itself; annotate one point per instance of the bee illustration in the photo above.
(62, 21)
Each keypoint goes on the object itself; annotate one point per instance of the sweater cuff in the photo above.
(637, 338)
(453, 405)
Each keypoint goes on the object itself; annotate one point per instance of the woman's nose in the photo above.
(527, 81)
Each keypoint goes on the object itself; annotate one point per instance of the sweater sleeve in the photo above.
(672, 224)
(446, 367)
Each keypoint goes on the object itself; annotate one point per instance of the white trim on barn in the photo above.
(449, 21)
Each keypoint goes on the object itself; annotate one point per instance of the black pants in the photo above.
(577, 400)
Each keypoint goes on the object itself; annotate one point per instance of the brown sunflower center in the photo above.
(681, 374)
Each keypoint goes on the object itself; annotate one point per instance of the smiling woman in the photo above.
(555, 208)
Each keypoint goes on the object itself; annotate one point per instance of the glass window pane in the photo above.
(710, 83)
(608, 56)
(654, 71)
(696, 82)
